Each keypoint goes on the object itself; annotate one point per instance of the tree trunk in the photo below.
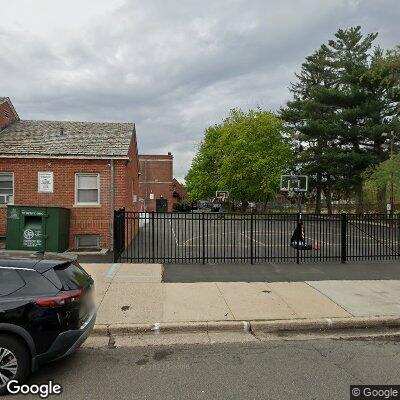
(328, 198)
(381, 198)
(359, 198)
(328, 194)
(318, 194)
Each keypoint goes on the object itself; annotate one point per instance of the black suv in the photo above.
(46, 311)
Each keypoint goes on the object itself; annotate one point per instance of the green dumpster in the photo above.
(37, 228)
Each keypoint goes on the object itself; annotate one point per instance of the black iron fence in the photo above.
(222, 237)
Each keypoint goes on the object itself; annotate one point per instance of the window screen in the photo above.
(6, 188)
(88, 242)
(87, 190)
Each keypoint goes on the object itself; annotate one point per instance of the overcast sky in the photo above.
(171, 66)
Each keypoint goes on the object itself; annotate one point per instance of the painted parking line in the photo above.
(112, 270)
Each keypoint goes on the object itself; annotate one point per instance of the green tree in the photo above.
(246, 154)
(382, 176)
(345, 98)
(309, 120)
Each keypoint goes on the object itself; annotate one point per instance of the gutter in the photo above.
(67, 157)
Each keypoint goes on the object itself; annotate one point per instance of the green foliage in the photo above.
(382, 175)
(346, 95)
(246, 154)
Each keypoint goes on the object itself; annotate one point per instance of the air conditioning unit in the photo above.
(6, 199)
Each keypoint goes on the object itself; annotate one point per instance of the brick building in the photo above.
(179, 193)
(156, 182)
(90, 168)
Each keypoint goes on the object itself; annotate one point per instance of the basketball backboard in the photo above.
(222, 195)
(294, 183)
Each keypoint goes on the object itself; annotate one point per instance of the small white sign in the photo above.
(45, 182)
(151, 196)
(389, 207)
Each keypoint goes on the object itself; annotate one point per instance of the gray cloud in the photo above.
(175, 67)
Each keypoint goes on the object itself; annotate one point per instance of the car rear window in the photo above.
(71, 275)
(10, 281)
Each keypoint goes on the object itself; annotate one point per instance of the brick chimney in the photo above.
(8, 115)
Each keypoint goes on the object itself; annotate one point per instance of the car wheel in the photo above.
(14, 361)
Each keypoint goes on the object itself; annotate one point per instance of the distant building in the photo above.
(156, 182)
(89, 167)
(179, 193)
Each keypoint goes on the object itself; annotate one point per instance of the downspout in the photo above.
(112, 205)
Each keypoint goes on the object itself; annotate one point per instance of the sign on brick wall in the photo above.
(45, 182)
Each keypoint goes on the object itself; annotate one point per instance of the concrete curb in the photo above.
(268, 326)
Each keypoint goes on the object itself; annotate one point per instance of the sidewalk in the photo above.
(132, 294)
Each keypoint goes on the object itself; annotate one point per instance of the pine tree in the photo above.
(346, 96)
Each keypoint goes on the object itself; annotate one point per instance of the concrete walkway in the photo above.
(134, 294)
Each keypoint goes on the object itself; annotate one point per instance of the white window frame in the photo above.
(76, 188)
(13, 187)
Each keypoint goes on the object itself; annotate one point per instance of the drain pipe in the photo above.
(112, 206)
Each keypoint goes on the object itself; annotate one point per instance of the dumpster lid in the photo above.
(38, 261)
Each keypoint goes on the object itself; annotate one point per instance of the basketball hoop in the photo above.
(294, 183)
(222, 195)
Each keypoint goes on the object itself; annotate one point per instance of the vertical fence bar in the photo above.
(251, 239)
(152, 237)
(203, 239)
(298, 243)
(344, 238)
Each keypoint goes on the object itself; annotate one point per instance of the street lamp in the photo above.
(391, 136)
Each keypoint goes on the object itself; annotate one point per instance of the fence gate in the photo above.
(253, 238)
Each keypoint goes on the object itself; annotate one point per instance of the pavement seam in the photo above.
(108, 288)
(227, 305)
(337, 365)
(278, 295)
(333, 301)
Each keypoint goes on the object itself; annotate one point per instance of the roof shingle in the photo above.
(62, 139)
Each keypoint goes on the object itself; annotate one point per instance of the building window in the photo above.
(88, 242)
(6, 188)
(6, 115)
(87, 189)
(134, 196)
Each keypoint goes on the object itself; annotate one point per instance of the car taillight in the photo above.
(61, 299)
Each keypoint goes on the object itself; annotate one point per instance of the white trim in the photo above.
(156, 182)
(70, 157)
(13, 187)
(151, 160)
(76, 189)
(23, 269)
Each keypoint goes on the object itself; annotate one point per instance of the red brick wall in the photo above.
(156, 177)
(84, 219)
(181, 192)
(6, 109)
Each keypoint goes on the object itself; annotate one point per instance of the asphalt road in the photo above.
(318, 369)
(183, 238)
